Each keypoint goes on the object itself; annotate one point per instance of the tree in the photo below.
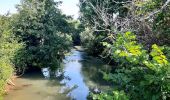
(100, 14)
(101, 17)
(42, 27)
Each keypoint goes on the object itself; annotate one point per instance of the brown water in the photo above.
(80, 71)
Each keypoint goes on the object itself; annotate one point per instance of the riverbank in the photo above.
(34, 85)
(10, 84)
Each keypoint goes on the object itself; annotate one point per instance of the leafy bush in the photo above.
(8, 49)
(87, 37)
(92, 41)
(116, 95)
(5, 73)
(166, 51)
(142, 75)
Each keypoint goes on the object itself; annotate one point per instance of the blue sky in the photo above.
(68, 7)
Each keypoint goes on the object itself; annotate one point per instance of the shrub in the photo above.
(92, 42)
(166, 51)
(142, 75)
(116, 95)
(5, 73)
(87, 37)
(8, 49)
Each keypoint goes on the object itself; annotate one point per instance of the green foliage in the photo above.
(159, 22)
(42, 32)
(149, 5)
(162, 27)
(43, 29)
(95, 14)
(92, 41)
(131, 51)
(87, 37)
(76, 28)
(116, 95)
(88, 13)
(5, 73)
(8, 49)
(142, 75)
(166, 51)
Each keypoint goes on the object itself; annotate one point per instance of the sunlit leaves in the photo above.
(8, 48)
(158, 55)
(116, 95)
(126, 46)
(138, 70)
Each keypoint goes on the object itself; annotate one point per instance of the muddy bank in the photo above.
(10, 84)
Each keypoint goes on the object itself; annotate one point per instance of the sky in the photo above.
(69, 7)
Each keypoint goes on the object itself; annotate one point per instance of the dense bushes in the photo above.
(139, 74)
(166, 51)
(148, 19)
(75, 29)
(142, 71)
(92, 41)
(6, 70)
(87, 39)
(8, 49)
(115, 95)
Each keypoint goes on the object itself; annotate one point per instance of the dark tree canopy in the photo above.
(42, 27)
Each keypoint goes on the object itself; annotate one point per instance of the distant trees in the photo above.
(75, 28)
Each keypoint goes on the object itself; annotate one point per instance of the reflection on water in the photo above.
(81, 74)
(84, 73)
(73, 69)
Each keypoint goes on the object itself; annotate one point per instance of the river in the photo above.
(81, 74)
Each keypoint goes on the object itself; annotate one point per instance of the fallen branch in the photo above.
(9, 82)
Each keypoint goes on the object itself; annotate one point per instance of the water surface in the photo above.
(81, 74)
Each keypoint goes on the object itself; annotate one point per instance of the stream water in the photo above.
(81, 75)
